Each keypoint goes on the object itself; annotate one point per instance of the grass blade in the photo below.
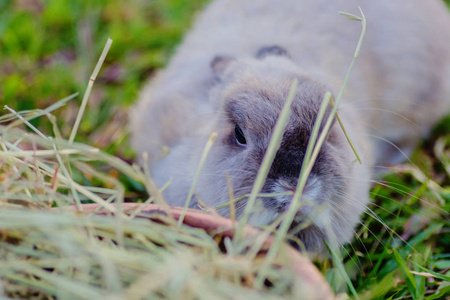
(410, 282)
(88, 90)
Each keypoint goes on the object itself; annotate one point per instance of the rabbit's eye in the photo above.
(239, 135)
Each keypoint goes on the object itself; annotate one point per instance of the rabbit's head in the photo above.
(249, 95)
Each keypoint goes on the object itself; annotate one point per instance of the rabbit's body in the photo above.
(399, 87)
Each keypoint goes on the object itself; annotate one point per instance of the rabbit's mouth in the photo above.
(286, 190)
(309, 227)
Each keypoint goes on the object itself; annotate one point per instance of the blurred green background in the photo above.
(49, 48)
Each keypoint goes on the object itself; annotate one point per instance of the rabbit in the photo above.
(232, 74)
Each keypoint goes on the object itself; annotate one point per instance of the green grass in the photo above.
(47, 52)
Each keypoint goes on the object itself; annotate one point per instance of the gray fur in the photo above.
(401, 77)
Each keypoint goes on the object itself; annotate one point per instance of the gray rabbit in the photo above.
(232, 75)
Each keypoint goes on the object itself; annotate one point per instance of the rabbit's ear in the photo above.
(220, 63)
(272, 50)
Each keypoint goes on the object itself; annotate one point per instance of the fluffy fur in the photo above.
(235, 68)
